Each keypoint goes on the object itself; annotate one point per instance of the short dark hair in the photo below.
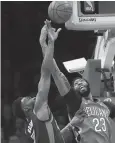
(17, 109)
(87, 92)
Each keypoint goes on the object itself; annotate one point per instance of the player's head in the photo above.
(22, 105)
(81, 86)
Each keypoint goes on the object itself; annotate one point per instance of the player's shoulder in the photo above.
(86, 101)
(92, 102)
(108, 102)
(43, 115)
(101, 103)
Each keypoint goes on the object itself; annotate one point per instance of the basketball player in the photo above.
(96, 127)
(40, 124)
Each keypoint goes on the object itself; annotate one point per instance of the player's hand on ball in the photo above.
(52, 33)
(43, 34)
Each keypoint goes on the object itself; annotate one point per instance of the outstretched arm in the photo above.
(41, 107)
(73, 102)
(60, 79)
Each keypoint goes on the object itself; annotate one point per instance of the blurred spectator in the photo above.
(2, 136)
(7, 120)
(16, 80)
(17, 94)
(20, 132)
(14, 139)
(7, 110)
(32, 94)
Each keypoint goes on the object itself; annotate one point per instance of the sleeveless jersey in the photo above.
(42, 131)
(96, 127)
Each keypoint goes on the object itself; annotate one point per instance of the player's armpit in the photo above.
(41, 108)
(111, 107)
(73, 101)
(43, 114)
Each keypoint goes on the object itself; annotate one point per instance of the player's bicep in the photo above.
(73, 101)
(41, 107)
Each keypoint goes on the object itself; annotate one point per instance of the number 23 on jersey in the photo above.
(100, 124)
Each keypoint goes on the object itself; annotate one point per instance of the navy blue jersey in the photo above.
(42, 131)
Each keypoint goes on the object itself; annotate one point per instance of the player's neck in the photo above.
(89, 97)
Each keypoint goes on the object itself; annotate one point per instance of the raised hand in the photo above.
(43, 34)
(42, 39)
(52, 33)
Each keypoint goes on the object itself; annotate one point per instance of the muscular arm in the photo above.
(41, 108)
(72, 100)
(60, 80)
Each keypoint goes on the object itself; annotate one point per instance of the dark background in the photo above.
(21, 23)
(21, 55)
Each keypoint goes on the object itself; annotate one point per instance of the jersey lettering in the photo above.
(30, 126)
(96, 111)
(31, 131)
(33, 135)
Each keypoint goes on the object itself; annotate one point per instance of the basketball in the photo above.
(60, 11)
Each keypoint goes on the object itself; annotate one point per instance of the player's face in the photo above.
(80, 85)
(28, 102)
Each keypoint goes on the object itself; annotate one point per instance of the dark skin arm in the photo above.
(60, 80)
(41, 107)
(73, 101)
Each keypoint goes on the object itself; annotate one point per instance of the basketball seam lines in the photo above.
(61, 5)
(54, 11)
(53, 8)
(62, 11)
(60, 16)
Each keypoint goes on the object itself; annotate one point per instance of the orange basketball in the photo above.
(60, 11)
